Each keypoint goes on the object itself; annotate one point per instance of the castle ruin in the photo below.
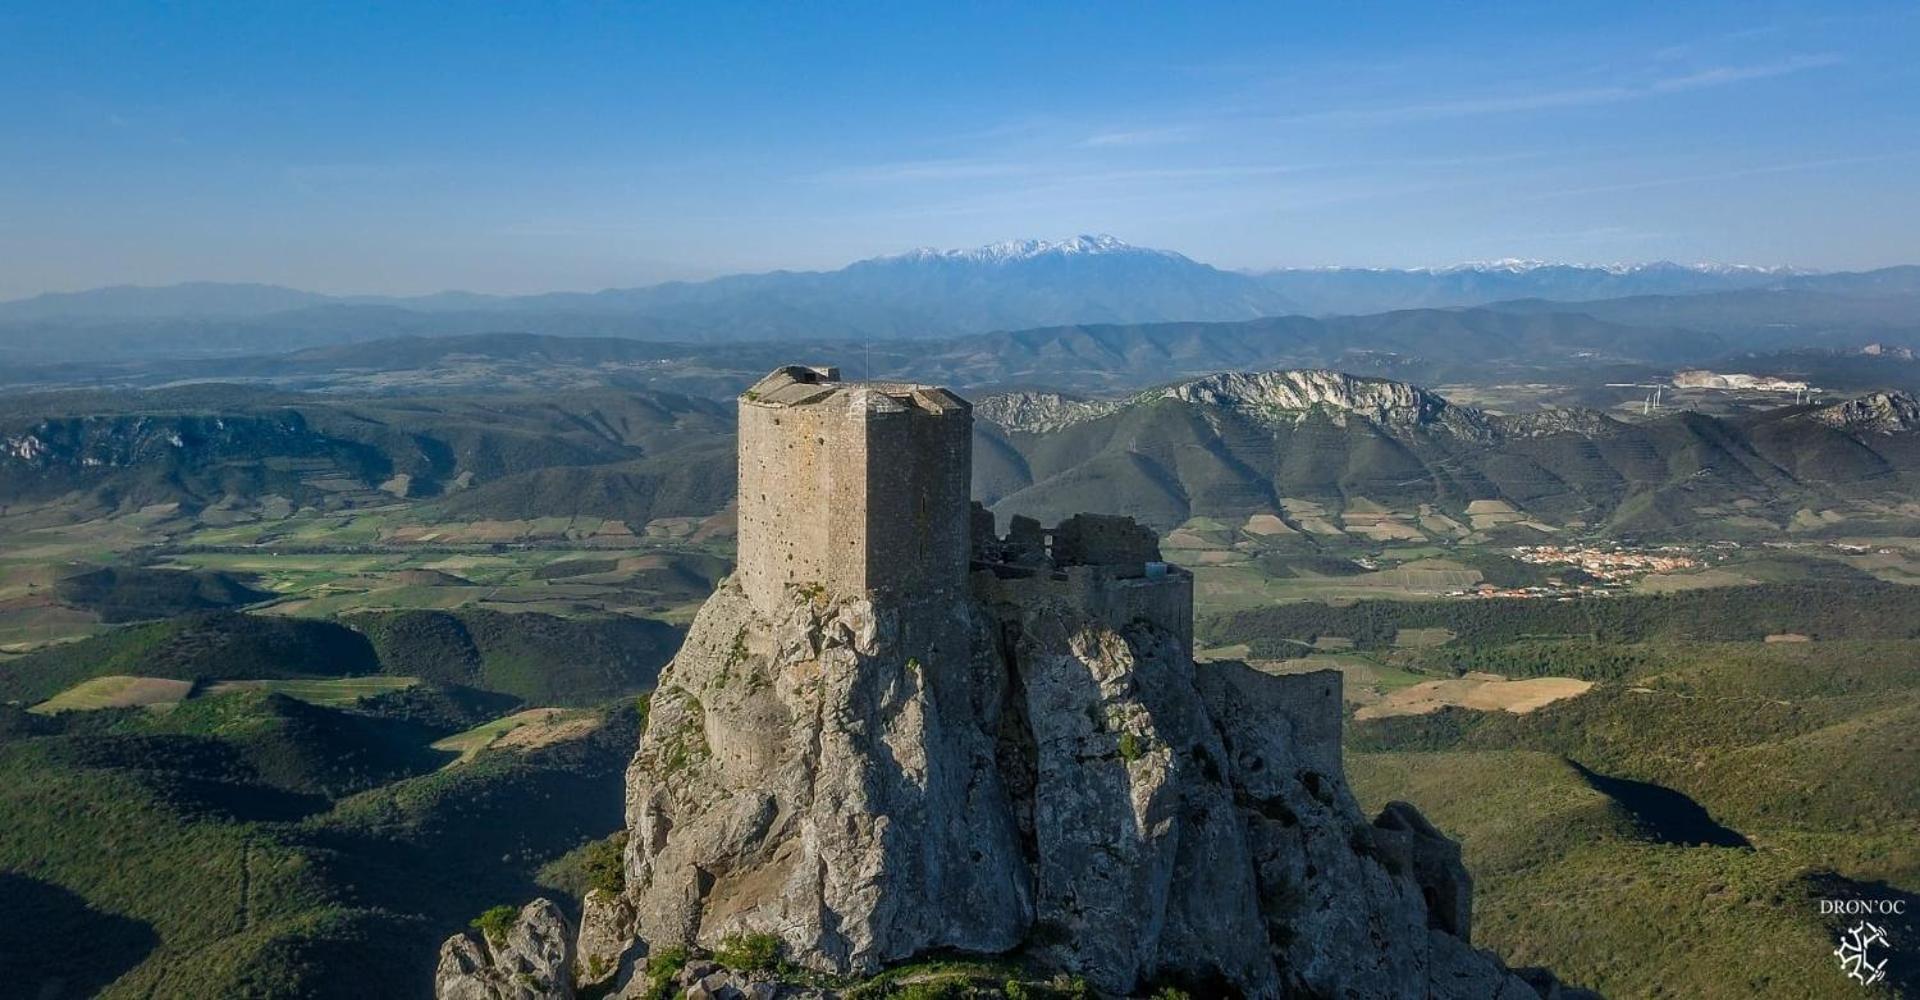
(864, 488)
(895, 733)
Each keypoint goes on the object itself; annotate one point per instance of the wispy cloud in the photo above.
(1723, 175)
(1143, 136)
(1065, 172)
(1718, 76)
(925, 170)
(1215, 122)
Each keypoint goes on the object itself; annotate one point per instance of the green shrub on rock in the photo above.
(495, 923)
(749, 952)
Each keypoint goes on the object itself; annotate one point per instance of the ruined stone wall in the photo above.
(1103, 539)
(1103, 594)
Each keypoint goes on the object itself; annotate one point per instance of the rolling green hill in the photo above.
(541, 659)
(1672, 832)
(126, 593)
(537, 658)
(195, 647)
(1856, 610)
(192, 875)
(1223, 446)
(204, 445)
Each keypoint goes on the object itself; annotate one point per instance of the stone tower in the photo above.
(853, 487)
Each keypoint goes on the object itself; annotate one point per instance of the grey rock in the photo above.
(870, 781)
(1142, 867)
(694, 971)
(532, 961)
(1413, 845)
(827, 778)
(606, 950)
(464, 964)
(1460, 973)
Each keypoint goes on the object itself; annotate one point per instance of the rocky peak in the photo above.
(1039, 412)
(1015, 251)
(1876, 413)
(120, 440)
(1292, 395)
(1301, 389)
(1558, 420)
(1272, 397)
(530, 959)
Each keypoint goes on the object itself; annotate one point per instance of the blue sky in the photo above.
(397, 148)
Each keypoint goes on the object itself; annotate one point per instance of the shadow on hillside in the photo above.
(56, 946)
(1661, 813)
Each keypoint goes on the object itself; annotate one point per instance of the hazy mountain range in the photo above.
(924, 293)
(1530, 341)
(1226, 446)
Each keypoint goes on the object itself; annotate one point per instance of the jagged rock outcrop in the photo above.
(606, 944)
(1874, 413)
(1270, 397)
(1018, 772)
(1408, 843)
(1280, 395)
(824, 777)
(532, 960)
(866, 787)
(1289, 395)
(1041, 411)
(1557, 420)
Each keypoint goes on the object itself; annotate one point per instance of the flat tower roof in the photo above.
(803, 385)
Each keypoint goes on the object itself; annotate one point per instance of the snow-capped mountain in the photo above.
(1525, 265)
(1017, 284)
(1011, 251)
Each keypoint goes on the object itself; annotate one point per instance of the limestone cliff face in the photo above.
(1874, 413)
(1270, 397)
(827, 776)
(1041, 411)
(1282, 395)
(868, 783)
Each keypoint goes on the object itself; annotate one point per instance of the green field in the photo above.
(333, 692)
(1364, 678)
(321, 564)
(469, 743)
(116, 692)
